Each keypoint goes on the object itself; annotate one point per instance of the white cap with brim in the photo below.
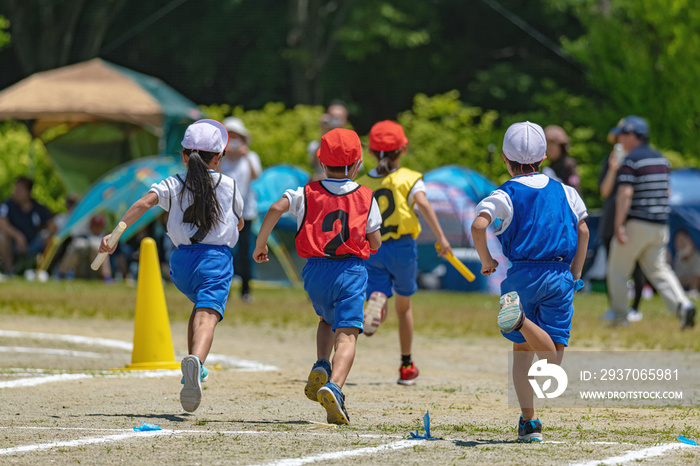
(206, 135)
(525, 142)
(235, 125)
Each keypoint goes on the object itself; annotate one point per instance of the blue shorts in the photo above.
(203, 273)
(393, 268)
(546, 291)
(337, 290)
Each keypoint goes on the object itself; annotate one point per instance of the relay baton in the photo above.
(461, 268)
(116, 234)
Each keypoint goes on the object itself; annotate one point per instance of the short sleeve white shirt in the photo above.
(173, 199)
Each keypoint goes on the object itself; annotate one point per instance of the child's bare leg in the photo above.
(538, 341)
(404, 311)
(325, 340)
(200, 332)
(345, 340)
(522, 360)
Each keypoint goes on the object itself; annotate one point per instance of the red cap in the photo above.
(339, 147)
(387, 136)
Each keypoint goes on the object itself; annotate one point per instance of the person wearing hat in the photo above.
(544, 235)
(641, 231)
(607, 186)
(394, 268)
(204, 218)
(243, 165)
(562, 167)
(338, 228)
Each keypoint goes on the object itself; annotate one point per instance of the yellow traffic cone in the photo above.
(153, 344)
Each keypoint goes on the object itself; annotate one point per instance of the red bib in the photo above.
(334, 225)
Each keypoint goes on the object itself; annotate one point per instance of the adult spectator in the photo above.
(607, 185)
(640, 226)
(686, 263)
(336, 116)
(25, 227)
(243, 165)
(562, 167)
(82, 250)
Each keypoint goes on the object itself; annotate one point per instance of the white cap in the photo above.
(206, 135)
(524, 143)
(235, 125)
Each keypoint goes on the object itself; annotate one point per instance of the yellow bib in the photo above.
(391, 192)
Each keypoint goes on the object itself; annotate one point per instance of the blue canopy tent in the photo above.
(114, 193)
(685, 203)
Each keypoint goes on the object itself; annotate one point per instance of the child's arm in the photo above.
(375, 239)
(488, 263)
(581, 248)
(134, 213)
(271, 218)
(428, 213)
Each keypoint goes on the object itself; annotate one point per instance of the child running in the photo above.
(395, 267)
(338, 226)
(204, 220)
(544, 236)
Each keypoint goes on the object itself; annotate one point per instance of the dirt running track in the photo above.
(263, 417)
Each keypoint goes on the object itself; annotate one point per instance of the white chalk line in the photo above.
(241, 364)
(52, 351)
(335, 455)
(637, 455)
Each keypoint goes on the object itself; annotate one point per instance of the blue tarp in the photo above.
(685, 203)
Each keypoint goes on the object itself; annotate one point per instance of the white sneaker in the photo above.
(191, 393)
(634, 315)
(375, 312)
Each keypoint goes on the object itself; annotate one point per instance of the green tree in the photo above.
(643, 57)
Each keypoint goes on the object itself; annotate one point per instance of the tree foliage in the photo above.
(643, 57)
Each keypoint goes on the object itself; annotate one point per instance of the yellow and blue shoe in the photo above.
(318, 377)
(331, 397)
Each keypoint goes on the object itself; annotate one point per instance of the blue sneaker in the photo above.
(318, 377)
(191, 393)
(333, 400)
(511, 316)
(529, 431)
(204, 376)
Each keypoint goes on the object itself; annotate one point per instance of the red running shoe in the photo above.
(408, 374)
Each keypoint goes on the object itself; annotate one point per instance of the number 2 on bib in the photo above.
(341, 237)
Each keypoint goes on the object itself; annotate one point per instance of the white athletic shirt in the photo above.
(297, 205)
(499, 205)
(170, 192)
(418, 187)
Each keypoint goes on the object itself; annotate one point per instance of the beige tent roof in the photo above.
(87, 91)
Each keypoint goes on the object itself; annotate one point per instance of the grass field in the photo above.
(62, 404)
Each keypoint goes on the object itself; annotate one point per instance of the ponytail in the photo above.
(205, 211)
(387, 160)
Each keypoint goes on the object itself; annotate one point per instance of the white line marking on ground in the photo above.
(636, 455)
(69, 338)
(30, 382)
(128, 434)
(346, 454)
(58, 352)
(105, 342)
(82, 441)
